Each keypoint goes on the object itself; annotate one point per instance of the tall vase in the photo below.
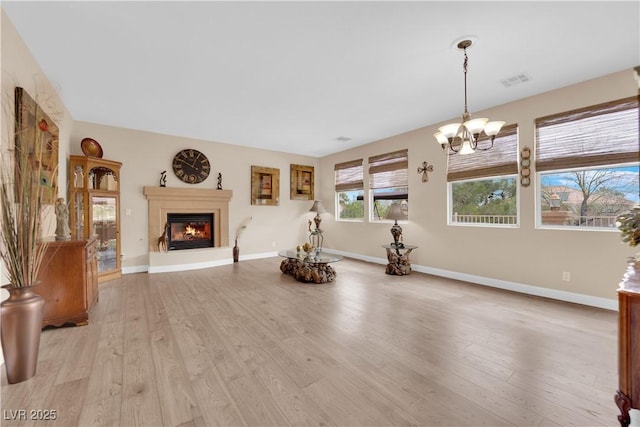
(20, 332)
(236, 251)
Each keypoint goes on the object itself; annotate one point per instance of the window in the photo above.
(587, 165)
(388, 183)
(349, 190)
(483, 186)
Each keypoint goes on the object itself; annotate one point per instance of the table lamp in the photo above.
(318, 209)
(315, 237)
(395, 213)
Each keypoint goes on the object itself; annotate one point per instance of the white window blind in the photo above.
(389, 170)
(501, 159)
(603, 134)
(349, 175)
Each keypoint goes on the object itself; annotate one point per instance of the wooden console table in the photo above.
(314, 268)
(628, 395)
(69, 281)
(398, 257)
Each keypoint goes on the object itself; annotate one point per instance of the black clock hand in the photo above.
(186, 163)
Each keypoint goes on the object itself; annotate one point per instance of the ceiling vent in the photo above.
(516, 80)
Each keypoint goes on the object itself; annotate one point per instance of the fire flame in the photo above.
(189, 231)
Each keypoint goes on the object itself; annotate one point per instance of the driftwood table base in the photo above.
(308, 272)
(398, 257)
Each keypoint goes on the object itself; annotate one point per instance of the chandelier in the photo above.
(463, 137)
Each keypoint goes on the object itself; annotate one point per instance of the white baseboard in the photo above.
(186, 267)
(609, 304)
(635, 418)
(193, 266)
(135, 269)
(258, 256)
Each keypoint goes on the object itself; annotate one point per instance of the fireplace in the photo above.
(166, 200)
(189, 231)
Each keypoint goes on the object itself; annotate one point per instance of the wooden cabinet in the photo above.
(628, 395)
(69, 281)
(94, 204)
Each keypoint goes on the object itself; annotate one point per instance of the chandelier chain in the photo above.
(464, 68)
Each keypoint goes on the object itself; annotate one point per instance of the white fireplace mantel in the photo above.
(164, 200)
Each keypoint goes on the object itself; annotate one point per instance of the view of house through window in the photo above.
(587, 165)
(588, 197)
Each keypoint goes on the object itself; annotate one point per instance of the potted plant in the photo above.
(22, 252)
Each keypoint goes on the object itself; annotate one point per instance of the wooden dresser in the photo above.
(628, 395)
(69, 281)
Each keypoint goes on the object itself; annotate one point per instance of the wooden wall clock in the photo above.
(191, 166)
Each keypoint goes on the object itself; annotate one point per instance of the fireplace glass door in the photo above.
(189, 231)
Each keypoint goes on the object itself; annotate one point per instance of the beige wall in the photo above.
(145, 154)
(522, 256)
(525, 255)
(19, 68)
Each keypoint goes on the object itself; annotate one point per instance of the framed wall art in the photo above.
(265, 186)
(302, 182)
(37, 133)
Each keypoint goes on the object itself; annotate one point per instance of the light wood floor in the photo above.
(245, 345)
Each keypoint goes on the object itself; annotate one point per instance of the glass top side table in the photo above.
(312, 268)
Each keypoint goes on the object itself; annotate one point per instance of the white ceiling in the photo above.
(294, 76)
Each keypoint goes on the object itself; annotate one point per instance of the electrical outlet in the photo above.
(273, 244)
(566, 276)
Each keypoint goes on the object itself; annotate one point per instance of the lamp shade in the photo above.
(395, 212)
(440, 138)
(450, 131)
(466, 147)
(317, 207)
(492, 128)
(475, 126)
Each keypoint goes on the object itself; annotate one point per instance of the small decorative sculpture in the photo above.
(426, 167)
(62, 220)
(219, 181)
(163, 179)
(163, 240)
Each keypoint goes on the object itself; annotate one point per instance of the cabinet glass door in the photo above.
(103, 224)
